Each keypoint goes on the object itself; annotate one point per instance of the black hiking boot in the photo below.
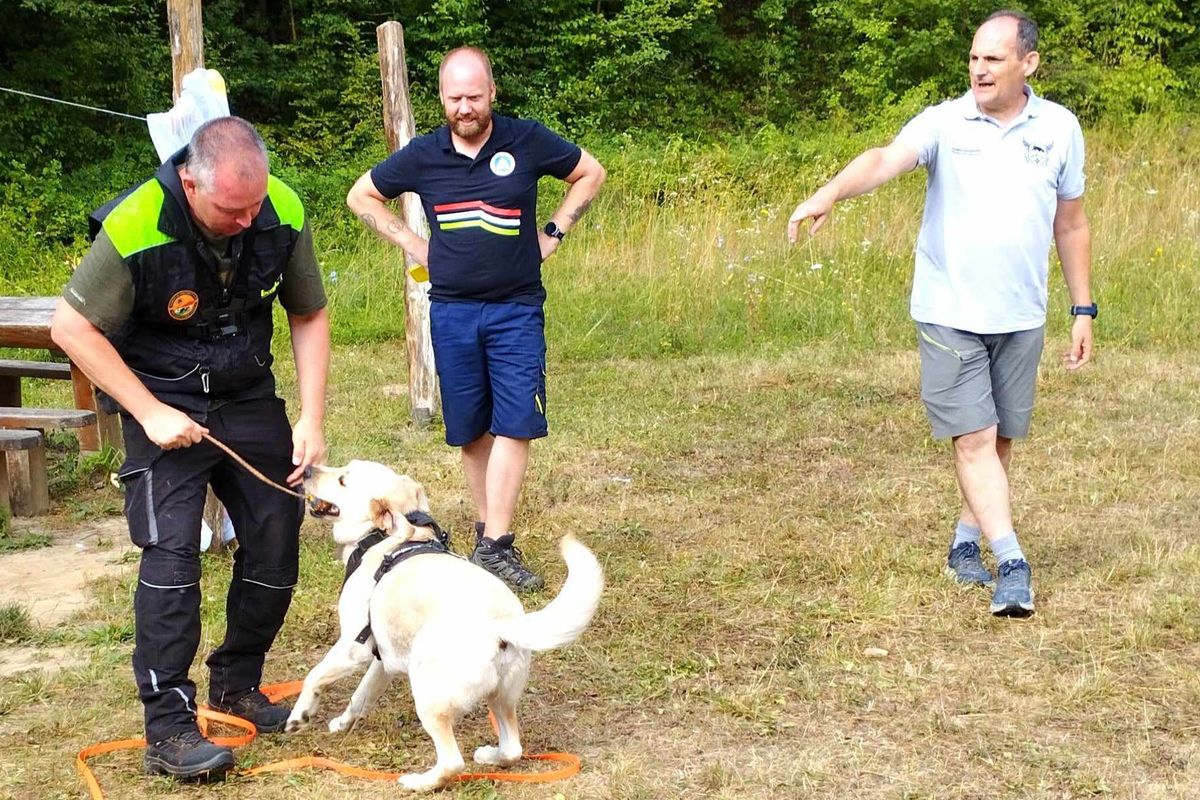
(501, 558)
(189, 756)
(254, 706)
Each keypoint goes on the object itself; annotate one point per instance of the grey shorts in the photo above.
(972, 381)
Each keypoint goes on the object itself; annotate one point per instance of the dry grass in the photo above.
(764, 523)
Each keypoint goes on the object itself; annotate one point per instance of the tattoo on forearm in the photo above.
(369, 221)
(396, 226)
(577, 213)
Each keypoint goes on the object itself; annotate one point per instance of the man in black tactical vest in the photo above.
(169, 314)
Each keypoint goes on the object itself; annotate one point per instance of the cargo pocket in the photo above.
(137, 480)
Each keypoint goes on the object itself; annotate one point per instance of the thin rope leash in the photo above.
(69, 103)
(251, 469)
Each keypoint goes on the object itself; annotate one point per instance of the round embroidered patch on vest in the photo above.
(183, 304)
(503, 164)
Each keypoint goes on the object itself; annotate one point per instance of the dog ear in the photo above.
(382, 516)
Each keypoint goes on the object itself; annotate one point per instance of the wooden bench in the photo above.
(13, 441)
(29, 483)
(12, 370)
(106, 429)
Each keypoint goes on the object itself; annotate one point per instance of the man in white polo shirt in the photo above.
(1005, 175)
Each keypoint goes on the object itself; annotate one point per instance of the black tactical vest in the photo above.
(190, 338)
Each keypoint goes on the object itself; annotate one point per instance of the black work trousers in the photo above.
(164, 504)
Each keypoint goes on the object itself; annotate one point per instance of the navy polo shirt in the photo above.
(482, 211)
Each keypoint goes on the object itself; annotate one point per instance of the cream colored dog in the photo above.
(458, 631)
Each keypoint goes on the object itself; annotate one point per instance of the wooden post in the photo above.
(186, 27)
(400, 129)
(187, 40)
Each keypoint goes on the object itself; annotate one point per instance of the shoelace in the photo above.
(1009, 567)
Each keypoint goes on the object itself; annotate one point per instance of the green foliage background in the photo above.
(778, 79)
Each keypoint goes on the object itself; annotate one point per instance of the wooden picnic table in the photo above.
(25, 322)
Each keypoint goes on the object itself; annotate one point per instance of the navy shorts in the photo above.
(491, 364)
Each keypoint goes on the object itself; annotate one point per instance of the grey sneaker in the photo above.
(1014, 589)
(189, 756)
(253, 705)
(965, 566)
(501, 558)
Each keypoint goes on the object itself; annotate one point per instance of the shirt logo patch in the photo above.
(1037, 154)
(478, 214)
(183, 305)
(503, 164)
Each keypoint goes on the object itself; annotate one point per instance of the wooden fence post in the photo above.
(187, 40)
(186, 26)
(400, 129)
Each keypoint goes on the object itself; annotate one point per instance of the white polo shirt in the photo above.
(983, 251)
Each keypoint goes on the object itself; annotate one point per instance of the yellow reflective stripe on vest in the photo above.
(286, 202)
(133, 224)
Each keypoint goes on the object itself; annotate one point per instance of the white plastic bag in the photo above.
(201, 98)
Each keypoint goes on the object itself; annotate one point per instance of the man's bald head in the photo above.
(464, 61)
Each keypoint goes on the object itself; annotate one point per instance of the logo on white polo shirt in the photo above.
(503, 164)
(1037, 154)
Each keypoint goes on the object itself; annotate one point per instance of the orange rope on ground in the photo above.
(278, 691)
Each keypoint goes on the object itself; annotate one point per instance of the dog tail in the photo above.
(568, 614)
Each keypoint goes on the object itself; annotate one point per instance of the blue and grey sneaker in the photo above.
(965, 566)
(1014, 589)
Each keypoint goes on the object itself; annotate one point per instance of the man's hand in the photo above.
(170, 428)
(1081, 343)
(547, 244)
(817, 208)
(420, 251)
(308, 447)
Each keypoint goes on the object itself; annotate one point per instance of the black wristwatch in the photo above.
(1085, 311)
(552, 229)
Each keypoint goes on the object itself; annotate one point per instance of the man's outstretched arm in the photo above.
(868, 171)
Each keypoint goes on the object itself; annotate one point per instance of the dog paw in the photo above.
(494, 757)
(297, 721)
(423, 781)
(341, 723)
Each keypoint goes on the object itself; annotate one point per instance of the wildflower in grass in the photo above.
(816, 265)
(1152, 191)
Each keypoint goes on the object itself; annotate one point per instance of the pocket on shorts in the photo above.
(936, 337)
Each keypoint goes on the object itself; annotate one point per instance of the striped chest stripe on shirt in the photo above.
(478, 214)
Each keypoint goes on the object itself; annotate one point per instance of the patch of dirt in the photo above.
(51, 582)
(20, 659)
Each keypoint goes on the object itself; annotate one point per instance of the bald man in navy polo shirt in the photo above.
(477, 178)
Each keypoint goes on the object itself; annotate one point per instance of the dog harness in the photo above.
(418, 519)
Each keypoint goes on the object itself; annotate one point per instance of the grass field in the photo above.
(764, 523)
(739, 437)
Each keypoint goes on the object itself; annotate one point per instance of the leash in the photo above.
(251, 469)
(570, 762)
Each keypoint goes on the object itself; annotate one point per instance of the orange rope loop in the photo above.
(569, 761)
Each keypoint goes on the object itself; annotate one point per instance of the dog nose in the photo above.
(308, 472)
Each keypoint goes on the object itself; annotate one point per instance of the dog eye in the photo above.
(341, 480)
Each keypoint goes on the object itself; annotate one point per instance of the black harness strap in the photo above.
(364, 544)
(418, 519)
